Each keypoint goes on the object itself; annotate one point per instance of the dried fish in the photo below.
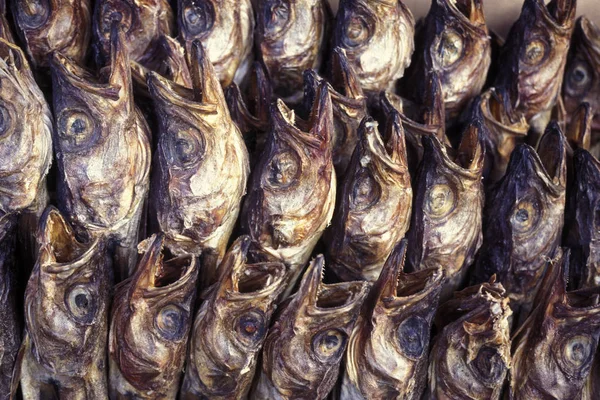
(303, 350)
(63, 354)
(453, 40)
(150, 324)
(374, 206)
(144, 22)
(388, 349)
(532, 61)
(348, 103)
(378, 38)
(471, 356)
(292, 193)
(53, 25)
(5, 28)
(445, 229)
(289, 37)
(198, 142)
(523, 219)
(231, 326)
(225, 29)
(102, 147)
(554, 350)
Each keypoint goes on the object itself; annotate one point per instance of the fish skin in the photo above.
(150, 324)
(290, 38)
(374, 205)
(582, 76)
(446, 225)
(378, 38)
(387, 354)
(291, 196)
(305, 345)
(10, 314)
(517, 244)
(231, 326)
(554, 350)
(225, 28)
(453, 40)
(532, 61)
(144, 22)
(45, 26)
(470, 356)
(197, 213)
(103, 156)
(66, 316)
(6, 32)
(349, 105)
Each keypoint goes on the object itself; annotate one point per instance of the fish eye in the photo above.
(579, 79)
(81, 302)
(329, 345)
(450, 48)
(535, 52)
(283, 169)
(198, 17)
(5, 121)
(488, 365)
(524, 217)
(577, 353)
(365, 193)
(357, 32)
(413, 336)
(32, 14)
(440, 200)
(186, 147)
(120, 12)
(251, 327)
(277, 13)
(75, 127)
(170, 322)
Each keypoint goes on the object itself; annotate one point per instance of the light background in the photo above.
(500, 14)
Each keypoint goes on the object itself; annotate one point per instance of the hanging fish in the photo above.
(374, 205)
(63, 354)
(377, 36)
(150, 324)
(303, 350)
(231, 326)
(102, 147)
(291, 196)
(201, 165)
(225, 29)
(388, 348)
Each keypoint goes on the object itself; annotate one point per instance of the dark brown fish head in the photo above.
(54, 25)
(226, 31)
(505, 129)
(144, 22)
(448, 204)
(582, 79)
(579, 130)
(289, 38)
(378, 39)
(96, 121)
(582, 221)
(232, 325)
(375, 202)
(304, 348)
(25, 132)
(151, 319)
(454, 41)
(292, 194)
(67, 298)
(554, 350)
(534, 56)
(389, 345)
(524, 218)
(197, 142)
(348, 103)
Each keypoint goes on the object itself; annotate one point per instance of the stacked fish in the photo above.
(235, 200)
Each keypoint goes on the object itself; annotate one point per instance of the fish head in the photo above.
(67, 298)
(26, 148)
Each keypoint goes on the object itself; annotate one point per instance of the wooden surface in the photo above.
(500, 14)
